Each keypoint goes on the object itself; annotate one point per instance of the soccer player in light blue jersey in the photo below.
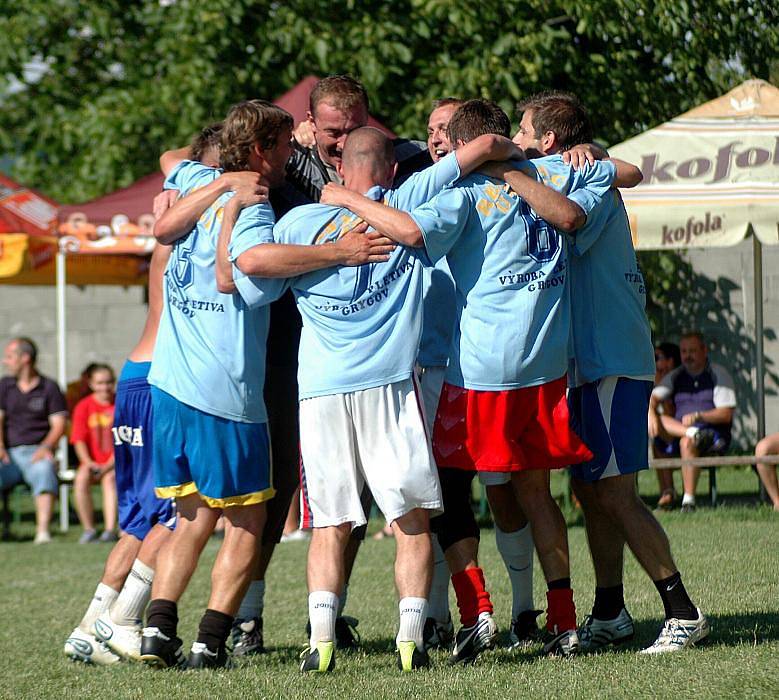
(611, 380)
(503, 405)
(359, 406)
(211, 450)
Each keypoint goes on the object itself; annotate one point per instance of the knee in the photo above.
(415, 522)
(687, 447)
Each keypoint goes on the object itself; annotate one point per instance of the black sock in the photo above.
(609, 602)
(214, 629)
(163, 614)
(559, 583)
(675, 599)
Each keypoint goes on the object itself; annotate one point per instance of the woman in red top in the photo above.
(93, 441)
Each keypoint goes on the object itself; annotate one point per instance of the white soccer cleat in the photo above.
(596, 634)
(124, 640)
(677, 635)
(84, 647)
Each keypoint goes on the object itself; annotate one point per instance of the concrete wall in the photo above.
(103, 323)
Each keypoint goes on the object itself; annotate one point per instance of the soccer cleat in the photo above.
(42, 537)
(687, 508)
(124, 640)
(347, 638)
(563, 644)
(200, 656)
(84, 647)
(524, 631)
(471, 641)
(438, 635)
(247, 637)
(595, 634)
(318, 660)
(410, 658)
(676, 635)
(160, 651)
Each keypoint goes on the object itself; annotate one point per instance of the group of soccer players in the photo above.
(480, 314)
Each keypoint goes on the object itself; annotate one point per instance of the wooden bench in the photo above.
(711, 464)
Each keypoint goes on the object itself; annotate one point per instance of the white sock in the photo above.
(102, 599)
(438, 602)
(688, 499)
(134, 596)
(516, 548)
(342, 600)
(413, 613)
(253, 602)
(322, 610)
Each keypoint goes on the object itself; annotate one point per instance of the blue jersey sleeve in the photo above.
(422, 186)
(442, 220)
(189, 174)
(591, 183)
(254, 227)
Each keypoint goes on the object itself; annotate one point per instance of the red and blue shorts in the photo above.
(506, 431)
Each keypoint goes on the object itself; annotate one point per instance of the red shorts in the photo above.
(506, 431)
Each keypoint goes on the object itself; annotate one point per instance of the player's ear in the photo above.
(339, 168)
(394, 171)
(310, 120)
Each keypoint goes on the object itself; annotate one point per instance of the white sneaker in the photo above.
(677, 634)
(42, 537)
(596, 634)
(124, 640)
(81, 646)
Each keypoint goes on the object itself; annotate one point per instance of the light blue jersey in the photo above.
(210, 351)
(361, 325)
(440, 315)
(611, 335)
(509, 269)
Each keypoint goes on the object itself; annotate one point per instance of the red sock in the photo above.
(560, 611)
(472, 596)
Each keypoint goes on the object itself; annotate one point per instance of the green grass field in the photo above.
(729, 557)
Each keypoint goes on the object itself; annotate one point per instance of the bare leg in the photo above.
(110, 506)
(152, 544)
(604, 536)
(82, 494)
(44, 506)
(120, 561)
(326, 558)
(690, 474)
(179, 555)
(463, 555)
(292, 522)
(235, 562)
(505, 508)
(414, 554)
(769, 446)
(546, 522)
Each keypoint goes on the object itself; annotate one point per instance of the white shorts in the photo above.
(494, 478)
(375, 436)
(431, 380)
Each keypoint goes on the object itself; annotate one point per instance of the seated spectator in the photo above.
(92, 438)
(32, 420)
(769, 445)
(667, 358)
(698, 401)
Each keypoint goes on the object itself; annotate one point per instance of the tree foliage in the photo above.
(92, 90)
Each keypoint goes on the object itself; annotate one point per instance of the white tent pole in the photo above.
(757, 249)
(62, 376)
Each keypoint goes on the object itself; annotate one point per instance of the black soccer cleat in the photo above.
(200, 656)
(524, 630)
(247, 637)
(347, 638)
(471, 641)
(160, 651)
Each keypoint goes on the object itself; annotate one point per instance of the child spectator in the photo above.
(92, 439)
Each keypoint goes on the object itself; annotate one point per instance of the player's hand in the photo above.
(508, 150)
(583, 154)
(335, 195)
(42, 453)
(304, 134)
(248, 187)
(689, 419)
(360, 248)
(493, 168)
(164, 201)
(4, 458)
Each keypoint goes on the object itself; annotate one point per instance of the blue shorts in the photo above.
(610, 415)
(225, 462)
(139, 507)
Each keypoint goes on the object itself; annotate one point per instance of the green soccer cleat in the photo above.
(318, 660)
(410, 658)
